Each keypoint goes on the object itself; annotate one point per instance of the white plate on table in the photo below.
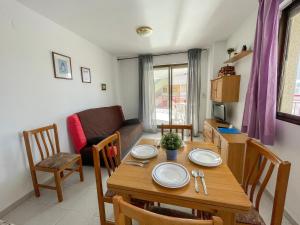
(144, 151)
(170, 175)
(204, 157)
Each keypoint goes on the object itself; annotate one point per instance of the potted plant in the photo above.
(171, 142)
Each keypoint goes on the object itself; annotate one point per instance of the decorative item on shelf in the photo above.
(85, 75)
(62, 66)
(244, 48)
(103, 87)
(226, 71)
(230, 51)
(171, 142)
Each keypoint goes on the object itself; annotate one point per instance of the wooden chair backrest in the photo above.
(111, 163)
(259, 173)
(46, 139)
(178, 129)
(123, 209)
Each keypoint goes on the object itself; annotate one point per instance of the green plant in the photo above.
(171, 141)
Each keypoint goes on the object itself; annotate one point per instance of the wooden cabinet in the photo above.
(231, 146)
(225, 89)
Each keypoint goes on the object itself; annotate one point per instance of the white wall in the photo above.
(30, 96)
(129, 81)
(244, 35)
(216, 56)
(287, 135)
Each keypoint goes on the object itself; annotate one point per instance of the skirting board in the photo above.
(21, 200)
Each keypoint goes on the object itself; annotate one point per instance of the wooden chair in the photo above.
(52, 160)
(125, 210)
(177, 129)
(110, 150)
(259, 165)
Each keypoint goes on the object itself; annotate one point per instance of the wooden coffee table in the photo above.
(225, 195)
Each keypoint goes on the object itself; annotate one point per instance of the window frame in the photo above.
(283, 38)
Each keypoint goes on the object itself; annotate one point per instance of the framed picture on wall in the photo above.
(62, 66)
(103, 87)
(85, 75)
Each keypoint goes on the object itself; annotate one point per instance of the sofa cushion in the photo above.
(101, 121)
(129, 135)
(95, 140)
(76, 132)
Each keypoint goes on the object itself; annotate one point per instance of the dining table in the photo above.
(225, 195)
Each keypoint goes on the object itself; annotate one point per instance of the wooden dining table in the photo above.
(225, 195)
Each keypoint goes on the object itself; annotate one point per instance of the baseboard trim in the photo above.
(14, 205)
(285, 213)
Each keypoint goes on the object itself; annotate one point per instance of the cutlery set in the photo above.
(199, 173)
(140, 163)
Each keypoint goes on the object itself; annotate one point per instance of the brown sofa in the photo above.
(99, 123)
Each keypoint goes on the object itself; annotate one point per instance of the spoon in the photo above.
(195, 175)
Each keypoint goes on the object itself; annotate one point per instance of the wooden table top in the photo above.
(224, 191)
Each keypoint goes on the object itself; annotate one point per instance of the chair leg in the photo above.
(80, 170)
(35, 183)
(58, 186)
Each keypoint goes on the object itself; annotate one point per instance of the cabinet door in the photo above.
(207, 133)
(213, 94)
(219, 89)
(217, 141)
(224, 150)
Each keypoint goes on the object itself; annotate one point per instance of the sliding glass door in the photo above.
(170, 93)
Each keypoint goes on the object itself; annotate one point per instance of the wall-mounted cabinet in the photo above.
(225, 89)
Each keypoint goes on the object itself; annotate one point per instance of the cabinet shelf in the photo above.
(238, 56)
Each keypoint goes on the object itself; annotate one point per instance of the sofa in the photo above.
(90, 126)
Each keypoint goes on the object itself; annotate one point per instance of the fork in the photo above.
(201, 175)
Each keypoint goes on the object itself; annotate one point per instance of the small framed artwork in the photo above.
(85, 75)
(62, 66)
(103, 87)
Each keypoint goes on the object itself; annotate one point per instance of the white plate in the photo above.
(144, 151)
(204, 157)
(170, 175)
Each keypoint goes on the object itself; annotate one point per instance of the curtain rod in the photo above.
(171, 53)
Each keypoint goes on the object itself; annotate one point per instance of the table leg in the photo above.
(128, 221)
(227, 217)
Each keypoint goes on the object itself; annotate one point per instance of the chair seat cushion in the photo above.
(171, 212)
(59, 160)
(252, 217)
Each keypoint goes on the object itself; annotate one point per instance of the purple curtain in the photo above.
(260, 106)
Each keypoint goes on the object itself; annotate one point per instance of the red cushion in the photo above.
(76, 132)
(113, 151)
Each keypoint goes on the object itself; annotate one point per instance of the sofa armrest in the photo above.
(131, 122)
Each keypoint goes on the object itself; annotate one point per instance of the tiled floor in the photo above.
(79, 206)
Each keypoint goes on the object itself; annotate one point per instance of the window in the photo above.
(288, 107)
(170, 94)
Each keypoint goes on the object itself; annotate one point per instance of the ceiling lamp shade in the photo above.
(144, 31)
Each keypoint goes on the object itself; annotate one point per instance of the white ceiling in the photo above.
(177, 24)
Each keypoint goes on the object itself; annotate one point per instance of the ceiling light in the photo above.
(144, 31)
